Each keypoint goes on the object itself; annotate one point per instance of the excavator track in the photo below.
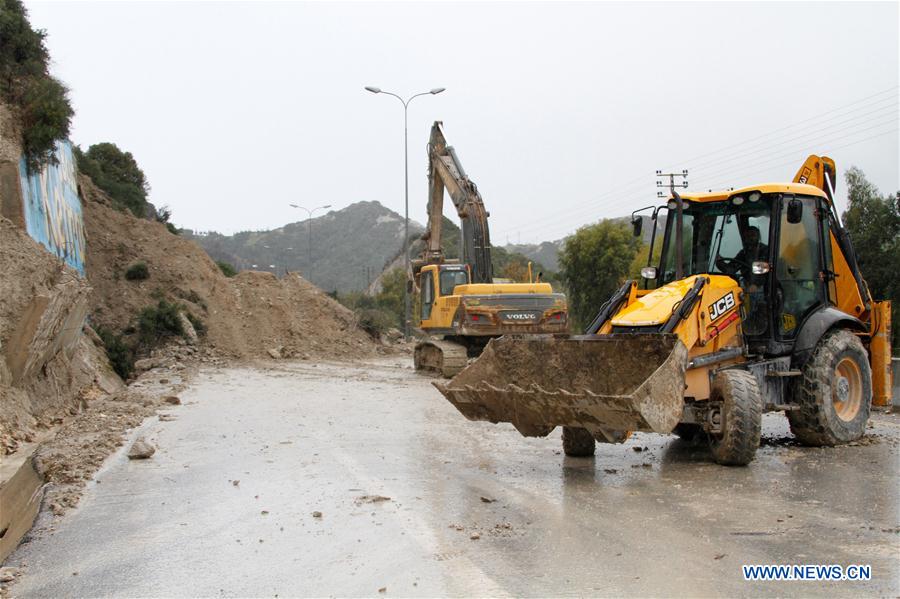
(446, 358)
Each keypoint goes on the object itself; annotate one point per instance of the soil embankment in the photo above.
(49, 367)
(253, 314)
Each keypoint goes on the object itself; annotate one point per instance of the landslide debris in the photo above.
(250, 315)
(49, 367)
(141, 449)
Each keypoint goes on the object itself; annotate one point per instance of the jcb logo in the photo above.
(720, 307)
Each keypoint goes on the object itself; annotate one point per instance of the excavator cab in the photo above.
(437, 281)
(757, 304)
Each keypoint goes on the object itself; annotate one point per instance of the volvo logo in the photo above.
(520, 316)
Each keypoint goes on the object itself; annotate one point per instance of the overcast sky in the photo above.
(561, 113)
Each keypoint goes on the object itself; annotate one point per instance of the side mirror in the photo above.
(648, 272)
(638, 223)
(410, 286)
(759, 268)
(794, 211)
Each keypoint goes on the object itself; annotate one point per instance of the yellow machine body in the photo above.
(654, 356)
(487, 309)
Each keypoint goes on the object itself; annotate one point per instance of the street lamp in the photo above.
(309, 232)
(378, 90)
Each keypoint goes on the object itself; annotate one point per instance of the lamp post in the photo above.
(309, 232)
(378, 90)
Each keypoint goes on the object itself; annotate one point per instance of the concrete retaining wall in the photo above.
(52, 208)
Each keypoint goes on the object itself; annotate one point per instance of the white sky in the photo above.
(561, 113)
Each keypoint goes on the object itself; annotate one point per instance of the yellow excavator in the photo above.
(462, 308)
(757, 304)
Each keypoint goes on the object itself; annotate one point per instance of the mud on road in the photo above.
(329, 479)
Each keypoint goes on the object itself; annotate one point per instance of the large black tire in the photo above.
(834, 393)
(741, 417)
(577, 442)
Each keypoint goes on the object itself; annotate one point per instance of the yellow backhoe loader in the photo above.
(462, 308)
(757, 304)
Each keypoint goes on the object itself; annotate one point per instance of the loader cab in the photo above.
(772, 242)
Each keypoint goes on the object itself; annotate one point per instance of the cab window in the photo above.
(451, 278)
(427, 285)
(719, 238)
(800, 285)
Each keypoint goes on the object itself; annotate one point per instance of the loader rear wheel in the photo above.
(740, 418)
(577, 442)
(835, 393)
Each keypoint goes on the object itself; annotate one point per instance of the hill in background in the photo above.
(547, 252)
(350, 247)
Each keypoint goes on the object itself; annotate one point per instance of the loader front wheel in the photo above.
(835, 393)
(739, 418)
(577, 442)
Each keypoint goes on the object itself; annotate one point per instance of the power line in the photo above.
(767, 144)
(812, 118)
(603, 199)
(852, 143)
(808, 144)
(732, 177)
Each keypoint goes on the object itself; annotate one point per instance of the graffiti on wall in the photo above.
(52, 208)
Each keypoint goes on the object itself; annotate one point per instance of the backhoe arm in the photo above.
(820, 171)
(852, 293)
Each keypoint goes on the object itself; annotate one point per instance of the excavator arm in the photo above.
(445, 172)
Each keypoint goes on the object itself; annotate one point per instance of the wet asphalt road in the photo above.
(299, 439)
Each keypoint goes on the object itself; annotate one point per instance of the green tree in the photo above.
(593, 263)
(118, 174)
(450, 234)
(40, 100)
(640, 259)
(514, 266)
(391, 297)
(229, 271)
(873, 221)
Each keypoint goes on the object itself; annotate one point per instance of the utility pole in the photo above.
(309, 234)
(679, 215)
(406, 263)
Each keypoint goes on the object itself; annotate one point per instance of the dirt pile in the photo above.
(49, 366)
(253, 314)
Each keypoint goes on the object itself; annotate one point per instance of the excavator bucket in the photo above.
(601, 383)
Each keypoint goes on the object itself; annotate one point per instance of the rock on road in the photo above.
(412, 499)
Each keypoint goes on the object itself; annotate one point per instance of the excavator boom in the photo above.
(446, 172)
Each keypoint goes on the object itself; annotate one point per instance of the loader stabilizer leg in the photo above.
(880, 351)
(611, 383)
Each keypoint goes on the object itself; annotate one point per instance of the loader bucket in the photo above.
(619, 382)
